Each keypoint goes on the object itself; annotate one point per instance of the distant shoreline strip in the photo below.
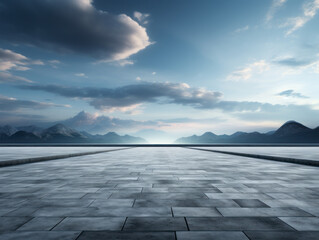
(54, 157)
(307, 162)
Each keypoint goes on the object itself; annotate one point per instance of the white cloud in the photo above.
(54, 63)
(309, 11)
(276, 4)
(80, 75)
(153, 73)
(138, 78)
(243, 29)
(247, 72)
(125, 62)
(10, 60)
(141, 17)
(8, 77)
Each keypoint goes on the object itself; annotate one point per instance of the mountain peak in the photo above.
(291, 128)
(208, 134)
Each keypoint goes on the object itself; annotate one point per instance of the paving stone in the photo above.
(195, 212)
(90, 224)
(238, 196)
(302, 223)
(12, 223)
(40, 224)
(250, 203)
(185, 203)
(155, 224)
(38, 235)
(236, 224)
(98, 235)
(292, 235)
(112, 203)
(216, 235)
(152, 190)
(262, 212)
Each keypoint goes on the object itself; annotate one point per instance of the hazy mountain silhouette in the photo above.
(290, 132)
(59, 133)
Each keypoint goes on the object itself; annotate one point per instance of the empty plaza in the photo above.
(159, 193)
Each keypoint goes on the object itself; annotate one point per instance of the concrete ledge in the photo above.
(308, 162)
(54, 157)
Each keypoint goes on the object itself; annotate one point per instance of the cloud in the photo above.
(243, 29)
(138, 78)
(54, 63)
(309, 11)
(247, 72)
(275, 6)
(141, 17)
(80, 75)
(291, 93)
(13, 104)
(130, 96)
(125, 62)
(100, 123)
(10, 60)
(153, 73)
(74, 26)
(296, 65)
(292, 62)
(21, 119)
(6, 77)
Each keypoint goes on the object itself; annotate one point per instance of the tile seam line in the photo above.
(16, 162)
(307, 162)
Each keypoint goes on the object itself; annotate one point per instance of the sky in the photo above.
(172, 68)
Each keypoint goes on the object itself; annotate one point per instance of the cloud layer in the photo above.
(13, 104)
(134, 94)
(72, 26)
(130, 96)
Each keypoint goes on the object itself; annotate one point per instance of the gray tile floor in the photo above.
(159, 193)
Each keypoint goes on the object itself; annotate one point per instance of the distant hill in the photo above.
(59, 133)
(290, 132)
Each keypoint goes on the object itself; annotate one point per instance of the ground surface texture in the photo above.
(159, 193)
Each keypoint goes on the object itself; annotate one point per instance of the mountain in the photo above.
(23, 137)
(113, 137)
(291, 128)
(60, 133)
(32, 129)
(290, 132)
(8, 130)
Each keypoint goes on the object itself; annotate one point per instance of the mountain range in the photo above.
(59, 133)
(290, 132)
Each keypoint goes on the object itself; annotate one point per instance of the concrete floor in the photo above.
(159, 193)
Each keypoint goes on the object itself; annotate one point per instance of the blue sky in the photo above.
(181, 67)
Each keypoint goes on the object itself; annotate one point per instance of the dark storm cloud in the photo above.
(291, 93)
(71, 26)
